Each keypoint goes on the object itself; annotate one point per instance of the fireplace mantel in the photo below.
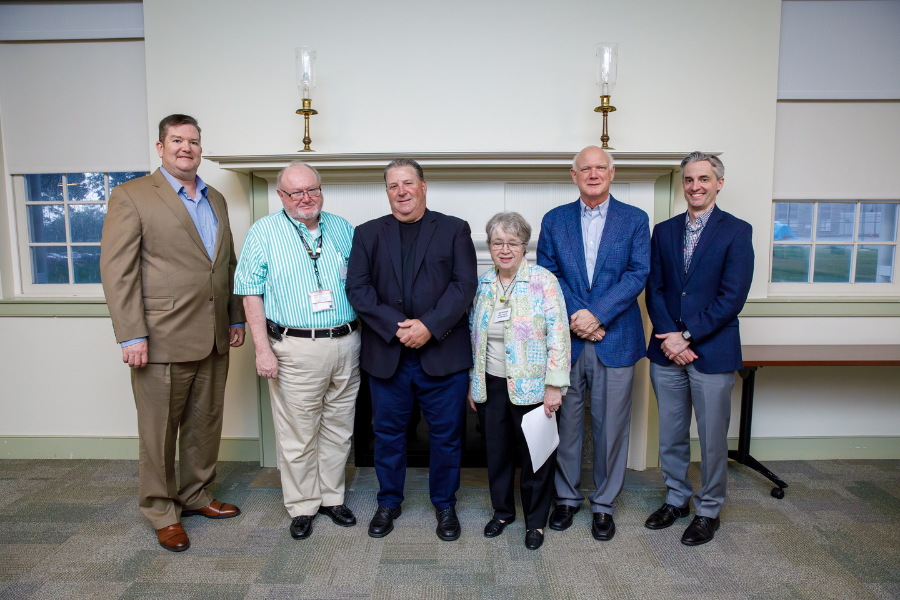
(455, 166)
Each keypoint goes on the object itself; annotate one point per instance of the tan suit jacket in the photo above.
(158, 279)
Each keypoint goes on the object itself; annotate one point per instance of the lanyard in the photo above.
(313, 254)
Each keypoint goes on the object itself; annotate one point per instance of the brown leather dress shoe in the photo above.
(214, 510)
(173, 538)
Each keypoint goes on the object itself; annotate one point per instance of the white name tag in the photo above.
(502, 315)
(343, 272)
(321, 300)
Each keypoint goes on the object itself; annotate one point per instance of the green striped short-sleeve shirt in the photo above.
(274, 264)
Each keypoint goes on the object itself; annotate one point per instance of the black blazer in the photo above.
(707, 299)
(444, 283)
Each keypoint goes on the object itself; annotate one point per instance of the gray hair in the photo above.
(297, 163)
(612, 161)
(510, 222)
(714, 161)
(404, 162)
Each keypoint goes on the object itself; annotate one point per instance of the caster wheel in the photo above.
(777, 493)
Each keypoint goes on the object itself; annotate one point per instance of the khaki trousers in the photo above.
(171, 398)
(313, 405)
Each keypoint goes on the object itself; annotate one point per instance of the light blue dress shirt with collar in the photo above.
(593, 221)
(203, 217)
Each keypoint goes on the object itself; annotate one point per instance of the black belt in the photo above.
(276, 331)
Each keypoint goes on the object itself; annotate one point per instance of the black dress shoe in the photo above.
(448, 525)
(603, 527)
(561, 519)
(665, 515)
(383, 521)
(495, 527)
(533, 539)
(700, 531)
(301, 527)
(340, 514)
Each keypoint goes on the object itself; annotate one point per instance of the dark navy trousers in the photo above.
(443, 403)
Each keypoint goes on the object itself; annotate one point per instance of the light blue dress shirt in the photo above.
(203, 217)
(592, 224)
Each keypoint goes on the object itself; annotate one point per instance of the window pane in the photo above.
(875, 264)
(46, 223)
(49, 264)
(793, 221)
(86, 263)
(43, 188)
(117, 178)
(832, 264)
(86, 222)
(878, 222)
(85, 187)
(835, 222)
(790, 263)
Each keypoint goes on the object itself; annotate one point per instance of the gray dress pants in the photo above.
(678, 389)
(610, 390)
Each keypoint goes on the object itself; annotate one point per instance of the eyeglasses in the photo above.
(513, 246)
(312, 193)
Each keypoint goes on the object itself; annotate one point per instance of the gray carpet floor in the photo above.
(72, 529)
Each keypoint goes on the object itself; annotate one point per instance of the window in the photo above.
(835, 243)
(60, 228)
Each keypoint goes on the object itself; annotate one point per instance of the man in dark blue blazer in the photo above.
(700, 274)
(599, 249)
(412, 277)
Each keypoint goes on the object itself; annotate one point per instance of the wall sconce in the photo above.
(306, 81)
(607, 59)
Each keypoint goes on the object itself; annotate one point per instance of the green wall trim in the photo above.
(816, 448)
(53, 307)
(113, 448)
(821, 307)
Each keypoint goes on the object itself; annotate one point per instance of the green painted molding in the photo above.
(112, 448)
(816, 448)
(821, 307)
(54, 307)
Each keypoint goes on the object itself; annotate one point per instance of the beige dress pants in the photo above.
(313, 405)
(178, 398)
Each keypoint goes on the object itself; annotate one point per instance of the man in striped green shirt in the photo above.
(292, 272)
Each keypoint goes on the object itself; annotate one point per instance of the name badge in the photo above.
(321, 300)
(502, 315)
(343, 272)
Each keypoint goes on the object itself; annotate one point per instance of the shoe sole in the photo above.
(175, 549)
(449, 538)
(195, 513)
(301, 537)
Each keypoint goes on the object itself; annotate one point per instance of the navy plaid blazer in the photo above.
(620, 274)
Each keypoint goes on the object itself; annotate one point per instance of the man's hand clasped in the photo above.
(586, 326)
(412, 333)
(676, 348)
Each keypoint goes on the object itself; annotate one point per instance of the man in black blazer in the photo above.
(701, 266)
(412, 278)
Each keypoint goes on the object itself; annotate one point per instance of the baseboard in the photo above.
(113, 448)
(816, 448)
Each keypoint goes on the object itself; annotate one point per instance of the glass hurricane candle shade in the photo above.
(306, 70)
(607, 59)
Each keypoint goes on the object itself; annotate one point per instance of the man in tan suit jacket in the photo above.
(167, 264)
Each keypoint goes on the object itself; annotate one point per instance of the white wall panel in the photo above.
(70, 20)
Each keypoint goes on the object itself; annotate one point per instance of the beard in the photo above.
(306, 215)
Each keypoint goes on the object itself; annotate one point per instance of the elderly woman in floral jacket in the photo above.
(521, 348)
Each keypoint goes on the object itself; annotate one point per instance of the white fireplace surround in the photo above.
(474, 186)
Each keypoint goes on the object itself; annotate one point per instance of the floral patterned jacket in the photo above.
(538, 348)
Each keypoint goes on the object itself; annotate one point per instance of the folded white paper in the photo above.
(541, 434)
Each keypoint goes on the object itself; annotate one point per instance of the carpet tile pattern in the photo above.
(71, 529)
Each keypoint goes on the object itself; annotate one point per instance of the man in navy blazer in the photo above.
(599, 250)
(700, 274)
(412, 277)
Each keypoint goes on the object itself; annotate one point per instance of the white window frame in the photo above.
(843, 290)
(52, 290)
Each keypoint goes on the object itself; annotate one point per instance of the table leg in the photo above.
(742, 454)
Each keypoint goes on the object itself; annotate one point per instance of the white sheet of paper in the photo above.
(541, 434)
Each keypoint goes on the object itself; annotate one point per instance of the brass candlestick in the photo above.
(308, 110)
(604, 108)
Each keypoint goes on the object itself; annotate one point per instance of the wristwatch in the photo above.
(687, 335)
